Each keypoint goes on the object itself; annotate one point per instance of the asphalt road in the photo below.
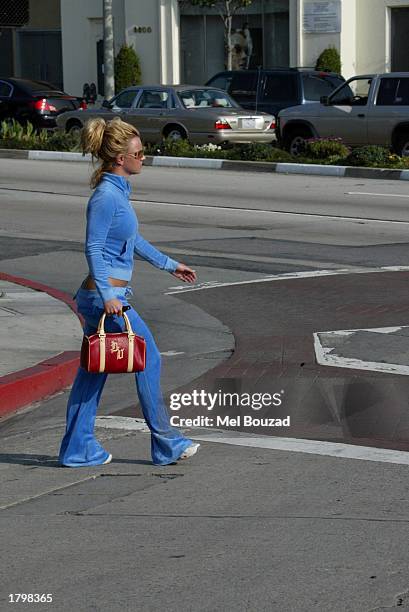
(237, 528)
(225, 224)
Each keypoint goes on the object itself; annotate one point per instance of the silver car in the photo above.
(200, 114)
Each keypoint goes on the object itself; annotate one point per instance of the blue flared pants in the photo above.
(79, 446)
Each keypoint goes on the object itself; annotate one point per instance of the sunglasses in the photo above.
(137, 155)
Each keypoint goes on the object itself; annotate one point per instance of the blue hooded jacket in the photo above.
(112, 236)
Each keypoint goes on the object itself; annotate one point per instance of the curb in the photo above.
(20, 389)
(222, 164)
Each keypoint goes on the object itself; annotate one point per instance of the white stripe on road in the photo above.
(290, 275)
(312, 447)
(298, 445)
(324, 358)
(377, 195)
(327, 356)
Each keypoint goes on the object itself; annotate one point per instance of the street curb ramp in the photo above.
(21, 389)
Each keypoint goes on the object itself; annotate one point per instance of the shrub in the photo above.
(370, 155)
(329, 149)
(127, 68)
(60, 141)
(13, 130)
(171, 148)
(243, 152)
(13, 135)
(329, 61)
(258, 152)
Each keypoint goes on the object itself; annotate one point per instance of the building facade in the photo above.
(30, 40)
(62, 40)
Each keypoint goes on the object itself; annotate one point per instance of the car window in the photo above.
(38, 87)
(5, 89)
(315, 86)
(279, 88)
(205, 98)
(222, 81)
(153, 99)
(243, 87)
(124, 99)
(353, 93)
(393, 92)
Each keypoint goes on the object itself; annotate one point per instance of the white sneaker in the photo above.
(108, 459)
(190, 451)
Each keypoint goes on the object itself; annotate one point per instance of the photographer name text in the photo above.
(228, 421)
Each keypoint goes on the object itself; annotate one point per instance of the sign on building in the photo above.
(322, 17)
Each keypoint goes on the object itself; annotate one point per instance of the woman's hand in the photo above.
(113, 307)
(185, 274)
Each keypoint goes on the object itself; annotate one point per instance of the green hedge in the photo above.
(324, 151)
(243, 152)
(16, 136)
(327, 151)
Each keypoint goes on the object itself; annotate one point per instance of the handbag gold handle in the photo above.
(101, 324)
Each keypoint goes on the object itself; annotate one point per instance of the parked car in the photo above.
(200, 114)
(271, 90)
(366, 109)
(35, 101)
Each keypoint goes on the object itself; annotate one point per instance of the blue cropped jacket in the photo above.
(112, 236)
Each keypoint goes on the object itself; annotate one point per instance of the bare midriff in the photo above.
(115, 282)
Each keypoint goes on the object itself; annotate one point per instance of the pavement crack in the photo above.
(242, 517)
(44, 493)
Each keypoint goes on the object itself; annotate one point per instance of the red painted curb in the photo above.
(19, 389)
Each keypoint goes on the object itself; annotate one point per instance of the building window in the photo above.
(14, 12)
(260, 37)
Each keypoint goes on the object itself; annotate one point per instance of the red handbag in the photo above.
(113, 353)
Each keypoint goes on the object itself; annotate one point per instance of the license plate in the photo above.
(248, 124)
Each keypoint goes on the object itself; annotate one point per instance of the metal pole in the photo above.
(109, 80)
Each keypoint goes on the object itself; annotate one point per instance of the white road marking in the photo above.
(377, 195)
(313, 447)
(298, 445)
(290, 275)
(172, 353)
(323, 356)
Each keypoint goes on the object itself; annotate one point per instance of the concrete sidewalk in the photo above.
(41, 336)
(234, 528)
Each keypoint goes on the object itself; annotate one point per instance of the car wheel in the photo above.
(294, 142)
(175, 132)
(74, 128)
(402, 145)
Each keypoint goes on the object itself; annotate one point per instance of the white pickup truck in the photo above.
(366, 109)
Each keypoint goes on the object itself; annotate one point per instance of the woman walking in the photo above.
(112, 238)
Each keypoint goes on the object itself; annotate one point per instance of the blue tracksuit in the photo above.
(112, 238)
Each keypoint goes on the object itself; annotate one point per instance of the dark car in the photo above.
(35, 101)
(271, 90)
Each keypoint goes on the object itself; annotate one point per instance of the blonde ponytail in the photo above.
(105, 141)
